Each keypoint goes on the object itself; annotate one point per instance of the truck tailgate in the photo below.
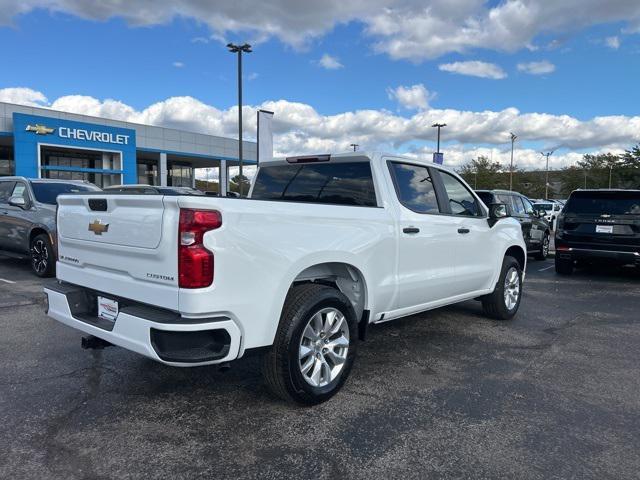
(124, 245)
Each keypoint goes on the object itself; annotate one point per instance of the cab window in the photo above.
(518, 206)
(414, 187)
(5, 191)
(20, 190)
(528, 206)
(461, 201)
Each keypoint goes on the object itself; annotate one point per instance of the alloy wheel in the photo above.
(39, 256)
(323, 347)
(511, 288)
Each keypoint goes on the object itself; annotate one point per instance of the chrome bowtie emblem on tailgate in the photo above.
(98, 227)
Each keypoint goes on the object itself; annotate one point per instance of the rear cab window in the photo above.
(47, 192)
(340, 183)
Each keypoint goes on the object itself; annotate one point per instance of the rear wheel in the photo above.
(43, 262)
(315, 345)
(564, 266)
(504, 302)
(544, 248)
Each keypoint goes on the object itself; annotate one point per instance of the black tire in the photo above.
(544, 248)
(564, 266)
(495, 304)
(43, 260)
(281, 365)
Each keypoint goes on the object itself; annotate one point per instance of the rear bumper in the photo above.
(157, 334)
(572, 253)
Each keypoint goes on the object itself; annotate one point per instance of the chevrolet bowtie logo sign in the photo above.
(98, 227)
(39, 129)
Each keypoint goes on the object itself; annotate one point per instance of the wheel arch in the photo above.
(343, 276)
(519, 254)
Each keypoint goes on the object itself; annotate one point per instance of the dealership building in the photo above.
(43, 143)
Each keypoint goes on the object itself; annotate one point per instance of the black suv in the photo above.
(535, 228)
(599, 225)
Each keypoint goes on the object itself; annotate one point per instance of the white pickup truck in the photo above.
(324, 246)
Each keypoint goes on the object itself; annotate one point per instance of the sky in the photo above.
(561, 75)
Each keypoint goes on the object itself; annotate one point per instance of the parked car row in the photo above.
(324, 246)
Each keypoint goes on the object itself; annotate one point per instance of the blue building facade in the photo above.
(38, 142)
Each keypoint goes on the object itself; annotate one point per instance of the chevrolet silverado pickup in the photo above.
(324, 246)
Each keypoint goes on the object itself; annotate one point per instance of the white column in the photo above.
(224, 181)
(162, 168)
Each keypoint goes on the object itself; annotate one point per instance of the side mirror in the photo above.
(497, 211)
(18, 202)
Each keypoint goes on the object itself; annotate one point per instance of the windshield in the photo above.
(604, 203)
(48, 192)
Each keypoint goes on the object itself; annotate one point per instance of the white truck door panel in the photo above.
(425, 261)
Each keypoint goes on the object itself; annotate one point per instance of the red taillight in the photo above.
(195, 263)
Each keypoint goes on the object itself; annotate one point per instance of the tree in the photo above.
(234, 184)
(482, 173)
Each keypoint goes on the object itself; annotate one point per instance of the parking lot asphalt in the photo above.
(554, 393)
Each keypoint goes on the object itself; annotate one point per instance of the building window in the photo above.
(180, 176)
(7, 163)
(147, 173)
(68, 164)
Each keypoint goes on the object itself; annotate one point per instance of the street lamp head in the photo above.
(513, 136)
(440, 125)
(233, 48)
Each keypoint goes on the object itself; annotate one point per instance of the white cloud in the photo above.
(612, 42)
(23, 96)
(537, 68)
(252, 76)
(178, 64)
(414, 30)
(299, 128)
(413, 97)
(330, 62)
(475, 68)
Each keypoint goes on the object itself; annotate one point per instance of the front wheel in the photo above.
(43, 262)
(315, 345)
(504, 302)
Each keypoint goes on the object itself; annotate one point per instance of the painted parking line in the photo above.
(6, 281)
(546, 268)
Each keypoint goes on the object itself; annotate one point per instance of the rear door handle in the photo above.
(411, 230)
(463, 230)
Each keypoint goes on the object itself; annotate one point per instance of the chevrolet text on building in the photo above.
(93, 136)
(324, 246)
(43, 143)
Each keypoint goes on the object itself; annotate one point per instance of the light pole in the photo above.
(546, 183)
(239, 49)
(610, 174)
(439, 126)
(354, 146)
(513, 139)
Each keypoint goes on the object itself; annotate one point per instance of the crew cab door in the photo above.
(425, 256)
(16, 220)
(473, 250)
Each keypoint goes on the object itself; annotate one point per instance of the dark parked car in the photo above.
(28, 218)
(535, 228)
(599, 225)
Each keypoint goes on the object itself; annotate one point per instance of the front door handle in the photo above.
(463, 230)
(411, 230)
